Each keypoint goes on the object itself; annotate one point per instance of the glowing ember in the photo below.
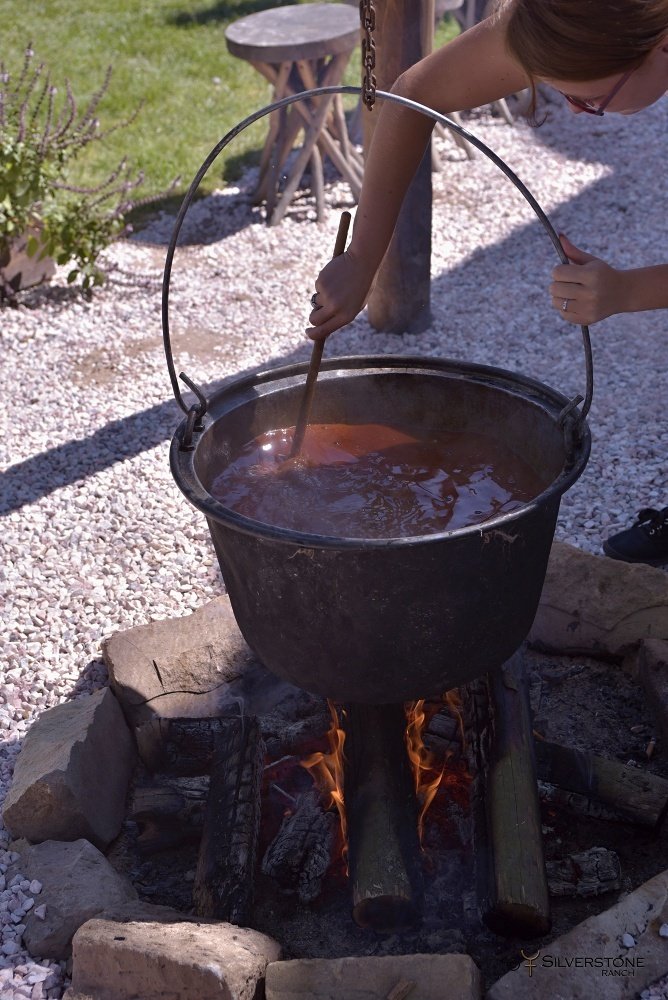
(326, 769)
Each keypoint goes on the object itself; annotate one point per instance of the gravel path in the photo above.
(95, 535)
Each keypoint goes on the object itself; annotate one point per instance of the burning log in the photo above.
(169, 812)
(510, 868)
(631, 793)
(589, 873)
(224, 877)
(381, 814)
(301, 852)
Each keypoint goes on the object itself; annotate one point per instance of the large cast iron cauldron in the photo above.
(384, 620)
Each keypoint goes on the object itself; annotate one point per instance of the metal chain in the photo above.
(368, 20)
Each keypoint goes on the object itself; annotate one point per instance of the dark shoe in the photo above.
(645, 542)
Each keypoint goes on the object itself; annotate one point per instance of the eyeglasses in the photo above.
(598, 109)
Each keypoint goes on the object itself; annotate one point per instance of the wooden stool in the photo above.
(299, 48)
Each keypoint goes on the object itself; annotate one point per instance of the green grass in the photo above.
(168, 55)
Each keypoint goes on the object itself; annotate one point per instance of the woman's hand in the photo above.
(586, 290)
(342, 289)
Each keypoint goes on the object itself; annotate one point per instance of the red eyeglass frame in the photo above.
(599, 110)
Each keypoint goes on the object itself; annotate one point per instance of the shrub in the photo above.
(40, 138)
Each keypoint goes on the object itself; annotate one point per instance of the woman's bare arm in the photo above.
(472, 70)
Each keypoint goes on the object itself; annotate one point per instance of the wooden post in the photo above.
(510, 869)
(381, 815)
(399, 302)
(519, 898)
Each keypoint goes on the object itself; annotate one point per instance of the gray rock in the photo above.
(165, 959)
(71, 777)
(179, 667)
(77, 883)
(595, 960)
(596, 605)
(433, 976)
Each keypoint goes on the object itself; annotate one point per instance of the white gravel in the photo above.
(96, 537)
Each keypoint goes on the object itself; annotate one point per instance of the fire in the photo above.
(426, 780)
(428, 776)
(326, 769)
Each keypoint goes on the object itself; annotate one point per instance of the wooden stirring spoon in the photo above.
(316, 355)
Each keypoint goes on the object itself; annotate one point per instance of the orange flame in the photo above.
(427, 780)
(428, 776)
(326, 770)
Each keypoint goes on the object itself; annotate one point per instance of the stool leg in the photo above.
(278, 79)
(318, 183)
(502, 106)
(298, 167)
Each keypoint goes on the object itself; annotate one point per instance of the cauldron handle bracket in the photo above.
(436, 116)
(195, 414)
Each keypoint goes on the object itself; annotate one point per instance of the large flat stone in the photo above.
(77, 883)
(435, 977)
(598, 606)
(165, 959)
(592, 962)
(71, 776)
(181, 667)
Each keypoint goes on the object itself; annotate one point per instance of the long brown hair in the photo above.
(583, 39)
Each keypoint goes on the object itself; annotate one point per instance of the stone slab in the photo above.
(180, 667)
(651, 663)
(169, 960)
(71, 776)
(435, 977)
(598, 606)
(592, 961)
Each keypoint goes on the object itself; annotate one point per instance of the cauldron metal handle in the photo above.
(197, 410)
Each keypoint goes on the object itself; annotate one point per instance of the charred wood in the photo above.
(291, 738)
(442, 736)
(578, 805)
(182, 747)
(637, 795)
(301, 852)
(169, 812)
(381, 816)
(225, 869)
(589, 873)
(510, 866)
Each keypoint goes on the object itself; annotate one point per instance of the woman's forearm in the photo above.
(470, 71)
(646, 288)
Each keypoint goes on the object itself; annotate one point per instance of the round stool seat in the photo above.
(300, 31)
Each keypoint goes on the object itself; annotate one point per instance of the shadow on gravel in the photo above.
(479, 279)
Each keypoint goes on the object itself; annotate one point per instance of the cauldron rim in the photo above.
(182, 460)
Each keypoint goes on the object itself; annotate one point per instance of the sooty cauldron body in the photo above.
(386, 620)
